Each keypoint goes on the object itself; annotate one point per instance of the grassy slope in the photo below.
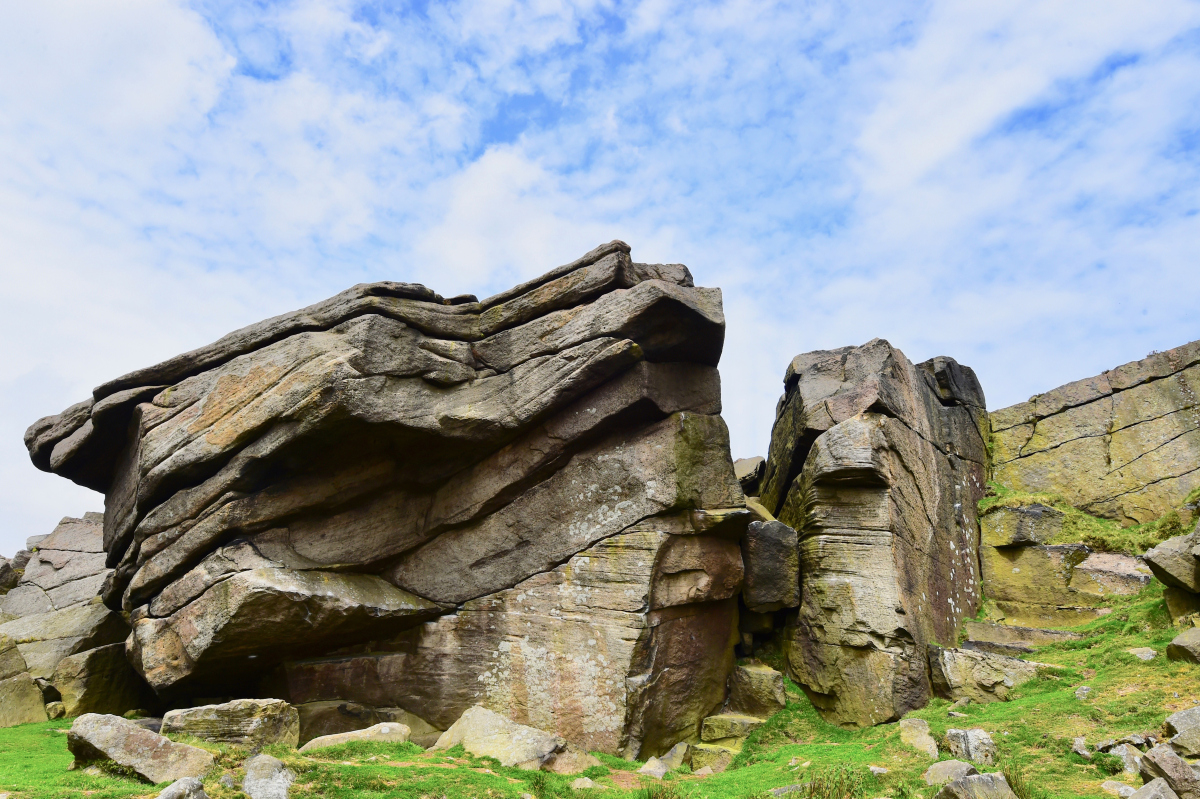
(1034, 730)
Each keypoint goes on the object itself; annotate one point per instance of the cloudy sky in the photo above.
(1014, 184)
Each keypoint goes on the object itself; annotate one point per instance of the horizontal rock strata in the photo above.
(444, 483)
(878, 466)
(1124, 445)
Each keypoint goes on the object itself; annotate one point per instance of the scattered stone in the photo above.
(978, 676)
(728, 725)
(1154, 789)
(387, 731)
(1184, 729)
(1079, 746)
(247, 722)
(786, 789)
(878, 771)
(705, 771)
(676, 756)
(945, 771)
(186, 788)
(1105, 745)
(714, 756)
(977, 786)
(267, 778)
(582, 783)
(484, 733)
(1118, 789)
(100, 680)
(1083, 692)
(973, 744)
(1130, 757)
(20, 701)
(227, 781)
(573, 760)
(756, 689)
(1142, 652)
(1161, 761)
(954, 714)
(1185, 646)
(915, 733)
(152, 756)
(654, 768)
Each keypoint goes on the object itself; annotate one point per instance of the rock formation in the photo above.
(1123, 445)
(878, 466)
(413, 502)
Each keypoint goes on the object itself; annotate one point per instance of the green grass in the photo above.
(1104, 535)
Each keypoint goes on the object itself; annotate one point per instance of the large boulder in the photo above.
(486, 734)
(1162, 762)
(1174, 562)
(390, 475)
(253, 723)
(1122, 445)
(878, 465)
(974, 744)
(977, 676)
(151, 756)
(977, 786)
(100, 680)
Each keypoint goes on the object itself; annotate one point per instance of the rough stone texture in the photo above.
(977, 786)
(729, 725)
(12, 662)
(1154, 789)
(330, 718)
(1181, 603)
(20, 701)
(187, 788)
(327, 481)
(946, 771)
(1023, 636)
(254, 723)
(712, 756)
(1119, 789)
(1131, 758)
(1184, 729)
(100, 680)
(1162, 761)
(1109, 573)
(915, 733)
(978, 676)
(97, 737)
(974, 744)
(749, 472)
(878, 465)
(654, 768)
(1173, 562)
(387, 731)
(1124, 445)
(1019, 526)
(772, 562)
(44, 639)
(267, 778)
(1057, 583)
(487, 734)
(756, 689)
(68, 569)
(574, 760)
(572, 650)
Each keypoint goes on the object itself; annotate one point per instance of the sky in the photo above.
(1013, 184)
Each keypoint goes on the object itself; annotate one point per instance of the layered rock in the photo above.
(878, 465)
(67, 569)
(1123, 445)
(439, 482)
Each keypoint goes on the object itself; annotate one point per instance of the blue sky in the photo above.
(1014, 184)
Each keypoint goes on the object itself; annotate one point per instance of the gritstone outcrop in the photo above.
(390, 497)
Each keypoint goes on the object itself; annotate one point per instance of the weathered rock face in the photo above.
(100, 680)
(1124, 445)
(254, 723)
(154, 757)
(450, 485)
(978, 676)
(878, 466)
(67, 569)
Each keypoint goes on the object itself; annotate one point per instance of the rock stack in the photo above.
(413, 502)
(878, 465)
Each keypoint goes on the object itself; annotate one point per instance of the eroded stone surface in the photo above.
(487, 734)
(98, 737)
(978, 676)
(252, 723)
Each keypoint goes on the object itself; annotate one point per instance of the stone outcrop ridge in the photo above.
(878, 466)
(1124, 445)
(423, 503)
(66, 568)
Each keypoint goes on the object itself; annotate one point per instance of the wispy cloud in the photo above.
(1012, 183)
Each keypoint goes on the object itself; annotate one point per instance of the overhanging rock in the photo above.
(380, 469)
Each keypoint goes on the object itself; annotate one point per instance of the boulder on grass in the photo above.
(1162, 761)
(1155, 789)
(187, 788)
(756, 689)
(484, 733)
(248, 722)
(713, 756)
(1184, 729)
(978, 676)
(389, 732)
(974, 745)
(267, 778)
(152, 756)
(100, 680)
(915, 733)
(945, 771)
(20, 701)
(1172, 562)
(1186, 646)
(977, 786)
(573, 760)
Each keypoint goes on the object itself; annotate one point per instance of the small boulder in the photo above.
(573, 760)
(1161, 761)
(878, 771)
(1130, 757)
(1079, 746)
(1155, 789)
(21, 701)
(247, 722)
(977, 786)
(1142, 652)
(387, 731)
(1185, 646)
(1083, 692)
(915, 733)
(945, 771)
(713, 756)
(654, 768)
(728, 725)
(186, 788)
(583, 783)
(1172, 562)
(703, 772)
(1118, 789)
(267, 778)
(973, 744)
(484, 733)
(756, 689)
(152, 756)
(978, 676)
(1184, 729)
(676, 756)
